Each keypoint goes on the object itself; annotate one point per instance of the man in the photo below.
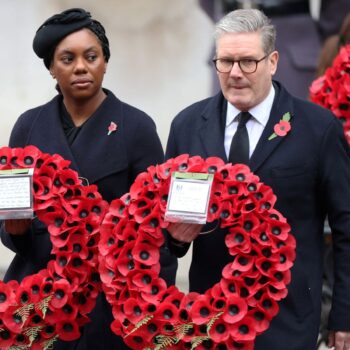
(308, 169)
(299, 48)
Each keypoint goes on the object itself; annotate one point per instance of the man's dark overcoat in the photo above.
(309, 171)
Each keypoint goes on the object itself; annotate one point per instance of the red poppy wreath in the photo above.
(54, 302)
(332, 90)
(150, 315)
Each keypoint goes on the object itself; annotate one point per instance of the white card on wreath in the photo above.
(16, 197)
(188, 197)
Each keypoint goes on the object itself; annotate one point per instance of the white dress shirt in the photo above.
(255, 125)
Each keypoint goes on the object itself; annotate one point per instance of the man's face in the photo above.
(241, 89)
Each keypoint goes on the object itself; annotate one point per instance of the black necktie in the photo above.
(239, 150)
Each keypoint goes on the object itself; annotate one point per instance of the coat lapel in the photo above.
(48, 134)
(282, 104)
(98, 153)
(212, 130)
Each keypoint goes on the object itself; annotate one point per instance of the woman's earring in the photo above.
(53, 75)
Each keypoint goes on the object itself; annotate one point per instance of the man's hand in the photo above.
(17, 227)
(339, 340)
(184, 233)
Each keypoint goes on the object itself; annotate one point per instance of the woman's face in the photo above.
(78, 65)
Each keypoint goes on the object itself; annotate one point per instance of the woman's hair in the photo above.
(332, 46)
(57, 27)
(248, 21)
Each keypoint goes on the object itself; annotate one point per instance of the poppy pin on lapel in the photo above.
(283, 127)
(112, 128)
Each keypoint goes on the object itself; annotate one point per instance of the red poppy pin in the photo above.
(282, 128)
(112, 127)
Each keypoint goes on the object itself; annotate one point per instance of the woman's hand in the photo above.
(17, 227)
(184, 233)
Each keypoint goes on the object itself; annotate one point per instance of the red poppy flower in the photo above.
(213, 165)
(244, 262)
(286, 256)
(31, 285)
(153, 225)
(242, 173)
(220, 331)
(12, 319)
(216, 291)
(133, 310)
(68, 330)
(182, 162)
(139, 205)
(61, 290)
(167, 312)
(135, 341)
(142, 279)
(282, 128)
(235, 309)
(5, 157)
(201, 310)
(195, 164)
(145, 253)
(28, 157)
(188, 300)
(85, 301)
(214, 209)
(48, 331)
(162, 196)
(7, 338)
(229, 286)
(238, 240)
(20, 340)
(269, 306)
(239, 345)
(278, 229)
(244, 330)
(7, 294)
(164, 170)
(262, 319)
(153, 292)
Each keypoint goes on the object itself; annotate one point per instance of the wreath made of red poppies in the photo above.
(150, 315)
(54, 303)
(332, 90)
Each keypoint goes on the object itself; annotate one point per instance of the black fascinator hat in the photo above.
(57, 27)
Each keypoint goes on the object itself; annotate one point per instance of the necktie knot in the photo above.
(243, 119)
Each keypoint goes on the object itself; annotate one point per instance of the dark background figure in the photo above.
(329, 51)
(74, 124)
(332, 46)
(299, 36)
(308, 170)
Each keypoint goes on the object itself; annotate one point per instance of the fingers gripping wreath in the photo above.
(150, 315)
(54, 303)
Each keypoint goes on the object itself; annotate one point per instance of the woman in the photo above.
(75, 124)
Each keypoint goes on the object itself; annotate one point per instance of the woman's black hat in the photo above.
(57, 27)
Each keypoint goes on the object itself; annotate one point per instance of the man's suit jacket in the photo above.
(111, 162)
(309, 171)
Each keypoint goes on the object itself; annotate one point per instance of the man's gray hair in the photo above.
(248, 21)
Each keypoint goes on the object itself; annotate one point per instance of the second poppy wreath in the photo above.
(151, 315)
(55, 302)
